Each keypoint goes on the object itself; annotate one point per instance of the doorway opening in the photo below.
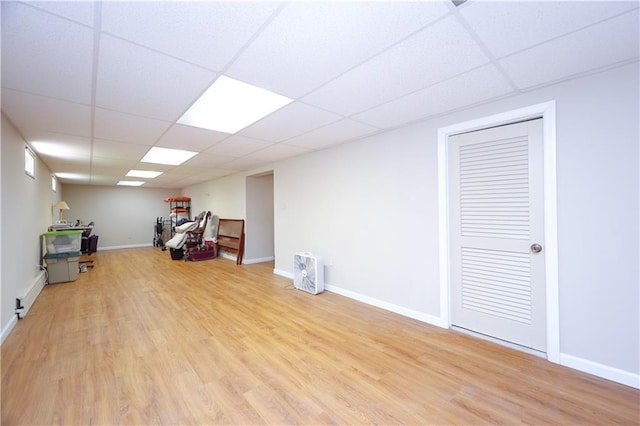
(259, 218)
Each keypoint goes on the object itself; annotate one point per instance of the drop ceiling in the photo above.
(92, 86)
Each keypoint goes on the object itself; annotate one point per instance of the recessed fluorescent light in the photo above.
(170, 156)
(143, 174)
(230, 105)
(130, 183)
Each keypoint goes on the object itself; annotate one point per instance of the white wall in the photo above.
(123, 216)
(370, 208)
(224, 197)
(26, 214)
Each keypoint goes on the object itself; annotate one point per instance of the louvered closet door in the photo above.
(496, 200)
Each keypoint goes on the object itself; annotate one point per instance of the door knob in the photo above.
(536, 248)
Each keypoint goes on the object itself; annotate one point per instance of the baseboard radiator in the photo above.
(28, 298)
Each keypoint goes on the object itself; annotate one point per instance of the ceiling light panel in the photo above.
(148, 174)
(130, 183)
(167, 156)
(230, 105)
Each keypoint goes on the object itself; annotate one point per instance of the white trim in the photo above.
(429, 319)
(601, 370)
(258, 260)
(8, 328)
(283, 273)
(126, 246)
(547, 111)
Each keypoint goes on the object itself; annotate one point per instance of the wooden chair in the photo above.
(231, 237)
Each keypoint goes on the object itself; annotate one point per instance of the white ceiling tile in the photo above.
(115, 172)
(143, 82)
(155, 184)
(204, 33)
(244, 163)
(104, 179)
(509, 26)
(203, 174)
(81, 168)
(79, 11)
(74, 165)
(59, 146)
(191, 180)
(421, 60)
(45, 55)
(473, 87)
(237, 146)
(292, 120)
(112, 163)
(309, 43)
(277, 152)
(600, 45)
(190, 138)
(33, 112)
(118, 150)
(332, 134)
(175, 173)
(118, 126)
(206, 161)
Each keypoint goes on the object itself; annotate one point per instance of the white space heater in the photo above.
(308, 273)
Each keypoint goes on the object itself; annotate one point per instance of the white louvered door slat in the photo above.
(496, 184)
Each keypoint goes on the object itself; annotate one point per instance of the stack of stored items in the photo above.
(62, 255)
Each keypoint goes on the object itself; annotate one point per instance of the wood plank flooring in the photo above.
(141, 339)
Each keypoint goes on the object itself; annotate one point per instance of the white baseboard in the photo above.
(420, 316)
(125, 246)
(8, 328)
(283, 273)
(257, 260)
(601, 370)
(429, 319)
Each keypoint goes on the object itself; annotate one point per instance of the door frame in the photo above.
(546, 111)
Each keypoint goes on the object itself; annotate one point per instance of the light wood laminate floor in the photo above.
(142, 339)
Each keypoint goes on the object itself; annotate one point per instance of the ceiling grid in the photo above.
(92, 86)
